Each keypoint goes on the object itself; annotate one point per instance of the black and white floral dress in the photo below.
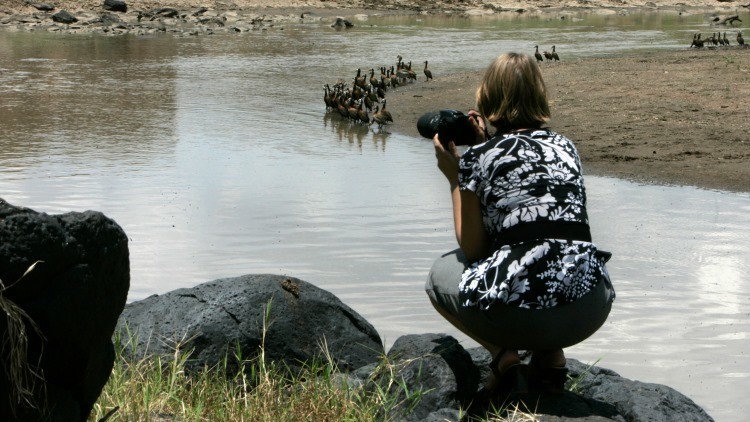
(528, 177)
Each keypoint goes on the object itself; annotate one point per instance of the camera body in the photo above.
(449, 124)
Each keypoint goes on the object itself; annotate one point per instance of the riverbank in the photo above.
(674, 117)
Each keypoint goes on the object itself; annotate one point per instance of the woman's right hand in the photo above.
(447, 160)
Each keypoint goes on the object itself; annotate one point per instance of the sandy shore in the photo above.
(678, 117)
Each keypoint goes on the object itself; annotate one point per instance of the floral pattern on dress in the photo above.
(526, 177)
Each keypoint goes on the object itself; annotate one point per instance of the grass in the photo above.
(158, 388)
(22, 375)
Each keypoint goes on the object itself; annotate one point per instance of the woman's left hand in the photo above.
(447, 160)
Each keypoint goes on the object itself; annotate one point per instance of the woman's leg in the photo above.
(442, 288)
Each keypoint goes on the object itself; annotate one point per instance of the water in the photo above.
(215, 156)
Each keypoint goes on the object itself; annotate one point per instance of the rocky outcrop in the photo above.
(291, 318)
(439, 366)
(179, 21)
(74, 295)
(445, 375)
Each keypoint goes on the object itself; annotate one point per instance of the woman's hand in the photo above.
(447, 160)
(480, 127)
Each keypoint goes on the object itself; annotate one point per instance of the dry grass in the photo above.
(22, 375)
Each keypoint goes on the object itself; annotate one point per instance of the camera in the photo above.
(450, 125)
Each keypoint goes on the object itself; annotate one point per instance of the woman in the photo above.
(526, 276)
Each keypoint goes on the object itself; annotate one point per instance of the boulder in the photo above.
(446, 377)
(115, 6)
(634, 400)
(293, 319)
(74, 295)
(65, 17)
(439, 367)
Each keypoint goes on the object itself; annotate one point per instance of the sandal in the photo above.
(552, 379)
(511, 380)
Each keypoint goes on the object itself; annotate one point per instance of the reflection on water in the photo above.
(217, 158)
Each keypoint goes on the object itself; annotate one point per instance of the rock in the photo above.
(342, 23)
(115, 6)
(634, 400)
(74, 296)
(213, 20)
(167, 12)
(449, 376)
(110, 19)
(64, 17)
(228, 314)
(200, 11)
(437, 365)
(44, 7)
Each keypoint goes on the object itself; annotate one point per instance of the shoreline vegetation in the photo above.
(663, 117)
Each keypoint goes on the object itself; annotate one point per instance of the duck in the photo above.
(538, 56)
(362, 115)
(377, 117)
(373, 79)
(554, 54)
(427, 72)
(697, 41)
(387, 117)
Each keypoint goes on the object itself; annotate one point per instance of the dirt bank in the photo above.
(676, 117)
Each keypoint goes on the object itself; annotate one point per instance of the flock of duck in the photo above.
(545, 55)
(716, 40)
(363, 100)
(366, 94)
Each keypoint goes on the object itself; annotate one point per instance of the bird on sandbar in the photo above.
(427, 72)
(554, 54)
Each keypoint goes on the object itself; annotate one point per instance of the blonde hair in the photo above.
(512, 93)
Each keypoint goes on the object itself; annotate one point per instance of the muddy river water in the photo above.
(217, 158)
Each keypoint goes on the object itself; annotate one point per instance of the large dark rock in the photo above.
(634, 400)
(448, 375)
(228, 314)
(74, 296)
(115, 6)
(64, 16)
(439, 367)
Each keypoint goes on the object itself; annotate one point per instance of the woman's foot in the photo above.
(548, 358)
(509, 375)
(550, 369)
